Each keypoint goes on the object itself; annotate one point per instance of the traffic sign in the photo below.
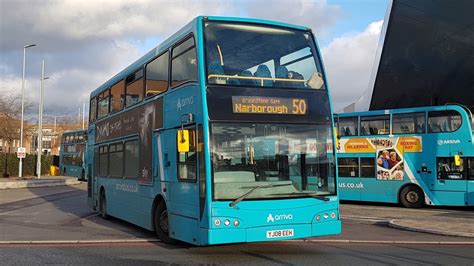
(21, 153)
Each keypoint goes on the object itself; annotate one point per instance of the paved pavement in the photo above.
(33, 181)
(441, 221)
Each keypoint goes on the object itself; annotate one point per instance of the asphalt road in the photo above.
(62, 214)
(276, 253)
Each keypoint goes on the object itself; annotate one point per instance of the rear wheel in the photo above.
(412, 197)
(162, 224)
(103, 206)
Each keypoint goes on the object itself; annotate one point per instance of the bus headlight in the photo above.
(333, 215)
(318, 217)
(227, 222)
(326, 216)
(236, 223)
(217, 222)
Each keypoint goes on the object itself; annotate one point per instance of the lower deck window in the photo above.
(447, 169)
(348, 167)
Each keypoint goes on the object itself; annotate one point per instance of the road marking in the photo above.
(152, 240)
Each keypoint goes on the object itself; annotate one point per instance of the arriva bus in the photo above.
(221, 134)
(412, 156)
(72, 154)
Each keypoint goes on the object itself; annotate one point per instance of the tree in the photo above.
(10, 117)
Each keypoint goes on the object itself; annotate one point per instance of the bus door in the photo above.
(452, 178)
(182, 172)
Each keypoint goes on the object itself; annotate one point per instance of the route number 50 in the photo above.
(299, 106)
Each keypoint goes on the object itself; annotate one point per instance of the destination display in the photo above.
(269, 105)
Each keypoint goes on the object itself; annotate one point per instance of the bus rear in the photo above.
(72, 154)
(271, 167)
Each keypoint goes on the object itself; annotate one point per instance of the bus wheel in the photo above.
(103, 206)
(162, 224)
(412, 197)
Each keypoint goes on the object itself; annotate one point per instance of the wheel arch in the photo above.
(158, 198)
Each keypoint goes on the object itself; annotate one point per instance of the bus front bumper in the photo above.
(269, 233)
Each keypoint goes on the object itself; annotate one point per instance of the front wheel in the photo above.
(162, 224)
(412, 197)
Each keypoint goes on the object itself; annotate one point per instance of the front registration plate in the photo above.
(280, 233)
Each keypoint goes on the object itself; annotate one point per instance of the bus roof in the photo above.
(406, 110)
(188, 28)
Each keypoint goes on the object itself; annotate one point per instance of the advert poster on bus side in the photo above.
(388, 153)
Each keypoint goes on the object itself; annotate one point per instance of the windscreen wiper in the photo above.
(252, 189)
(319, 197)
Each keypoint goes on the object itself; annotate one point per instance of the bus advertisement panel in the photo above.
(213, 139)
(410, 156)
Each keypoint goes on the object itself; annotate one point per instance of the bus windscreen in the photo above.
(261, 56)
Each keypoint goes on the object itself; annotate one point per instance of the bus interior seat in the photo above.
(215, 68)
(298, 76)
(234, 176)
(264, 72)
(282, 73)
(247, 82)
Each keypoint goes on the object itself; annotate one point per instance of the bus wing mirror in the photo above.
(183, 140)
(457, 160)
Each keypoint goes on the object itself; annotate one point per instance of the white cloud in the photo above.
(349, 61)
(85, 43)
(319, 15)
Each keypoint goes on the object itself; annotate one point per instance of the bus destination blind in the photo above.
(269, 105)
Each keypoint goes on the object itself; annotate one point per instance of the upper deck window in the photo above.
(443, 121)
(184, 63)
(103, 104)
(347, 126)
(157, 75)
(375, 125)
(261, 56)
(408, 123)
(134, 88)
(93, 109)
(117, 96)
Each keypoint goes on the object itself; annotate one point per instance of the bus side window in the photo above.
(187, 160)
(117, 96)
(448, 170)
(184, 63)
(157, 75)
(103, 160)
(348, 126)
(443, 121)
(375, 125)
(471, 168)
(348, 167)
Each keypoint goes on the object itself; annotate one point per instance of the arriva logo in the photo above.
(271, 218)
(448, 141)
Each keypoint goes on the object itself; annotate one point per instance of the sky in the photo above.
(85, 43)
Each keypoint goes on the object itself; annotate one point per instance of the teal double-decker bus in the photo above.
(413, 156)
(72, 154)
(221, 134)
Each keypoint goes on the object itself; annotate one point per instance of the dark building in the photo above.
(426, 56)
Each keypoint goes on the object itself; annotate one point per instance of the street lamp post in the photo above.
(40, 122)
(20, 166)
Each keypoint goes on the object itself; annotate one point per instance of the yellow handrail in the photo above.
(254, 78)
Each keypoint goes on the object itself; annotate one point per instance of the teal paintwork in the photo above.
(135, 203)
(437, 192)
